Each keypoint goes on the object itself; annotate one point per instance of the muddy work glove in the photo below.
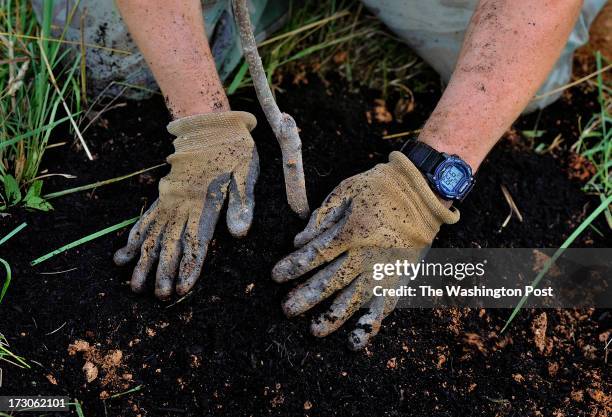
(386, 214)
(214, 155)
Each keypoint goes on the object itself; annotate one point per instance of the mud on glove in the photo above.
(379, 216)
(214, 154)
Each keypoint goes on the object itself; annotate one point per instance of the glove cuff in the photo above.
(204, 130)
(409, 175)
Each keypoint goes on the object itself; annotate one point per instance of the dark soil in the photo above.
(228, 350)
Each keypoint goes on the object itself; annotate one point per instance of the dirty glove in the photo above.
(213, 153)
(379, 216)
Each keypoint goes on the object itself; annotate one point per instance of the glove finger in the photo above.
(149, 252)
(169, 259)
(323, 248)
(197, 236)
(369, 324)
(390, 304)
(324, 283)
(241, 197)
(321, 220)
(136, 236)
(343, 307)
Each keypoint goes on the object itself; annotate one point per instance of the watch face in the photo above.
(453, 178)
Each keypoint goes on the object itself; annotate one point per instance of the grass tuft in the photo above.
(595, 141)
(595, 145)
(340, 37)
(39, 91)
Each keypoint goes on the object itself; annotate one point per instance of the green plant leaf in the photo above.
(533, 133)
(11, 189)
(34, 190)
(33, 200)
(38, 203)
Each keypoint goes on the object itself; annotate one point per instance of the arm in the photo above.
(215, 157)
(509, 49)
(389, 213)
(170, 35)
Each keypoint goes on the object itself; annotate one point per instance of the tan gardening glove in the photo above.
(379, 216)
(214, 153)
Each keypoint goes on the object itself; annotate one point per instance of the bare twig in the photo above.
(513, 208)
(283, 125)
(402, 134)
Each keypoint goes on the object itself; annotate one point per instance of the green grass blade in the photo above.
(603, 206)
(36, 131)
(121, 394)
(237, 81)
(315, 48)
(7, 280)
(78, 408)
(98, 184)
(85, 239)
(9, 357)
(13, 232)
(607, 212)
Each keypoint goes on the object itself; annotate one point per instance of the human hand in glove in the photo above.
(214, 155)
(379, 216)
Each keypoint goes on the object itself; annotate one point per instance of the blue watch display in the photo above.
(449, 176)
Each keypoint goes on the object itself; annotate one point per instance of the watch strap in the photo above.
(423, 156)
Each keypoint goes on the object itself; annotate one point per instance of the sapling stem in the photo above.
(283, 125)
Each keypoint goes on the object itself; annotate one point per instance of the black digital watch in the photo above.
(449, 175)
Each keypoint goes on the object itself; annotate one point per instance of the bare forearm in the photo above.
(509, 49)
(170, 34)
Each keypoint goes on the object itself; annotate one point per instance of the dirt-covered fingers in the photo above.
(324, 283)
(149, 252)
(169, 257)
(241, 196)
(369, 324)
(344, 306)
(195, 246)
(137, 235)
(324, 248)
(323, 218)
(198, 233)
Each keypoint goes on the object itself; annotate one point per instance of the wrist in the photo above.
(211, 129)
(183, 104)
(194, 109)
(454, 146)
